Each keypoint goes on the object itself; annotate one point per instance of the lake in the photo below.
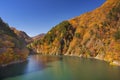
(39, 67)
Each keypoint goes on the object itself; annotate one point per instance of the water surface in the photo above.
(60, 68)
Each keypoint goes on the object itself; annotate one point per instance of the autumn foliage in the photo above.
(93, 34)
(12, 48)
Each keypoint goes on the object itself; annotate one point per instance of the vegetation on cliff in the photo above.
(93, 34)
(56, 41)
(12, 48)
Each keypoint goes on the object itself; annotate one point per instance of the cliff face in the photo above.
(12, 48)
(93, 34)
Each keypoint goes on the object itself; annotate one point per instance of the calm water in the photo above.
(60, 68)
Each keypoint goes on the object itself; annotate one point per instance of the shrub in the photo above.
(117, 34)
(77, 35)
(113, 14)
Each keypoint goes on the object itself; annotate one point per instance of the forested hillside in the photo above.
(12, 48)
(93, 34)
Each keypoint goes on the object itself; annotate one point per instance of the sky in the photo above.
(39, 16)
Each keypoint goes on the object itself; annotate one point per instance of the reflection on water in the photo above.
(34, 63)
(60, 68)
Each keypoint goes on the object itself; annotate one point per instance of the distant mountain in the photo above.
(93, 34)
(40, 36)
(22, 35)
(12, 47)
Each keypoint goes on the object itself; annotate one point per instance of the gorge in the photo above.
(69, 51)
(93, 34)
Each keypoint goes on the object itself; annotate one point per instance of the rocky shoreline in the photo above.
(112, 63)
(14, 62)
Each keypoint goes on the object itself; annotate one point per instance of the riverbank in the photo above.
(112, 63)
(53, 68)
(115, 63)
(14, 62)
(99, 57)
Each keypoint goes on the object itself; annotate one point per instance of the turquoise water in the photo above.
(60, 68)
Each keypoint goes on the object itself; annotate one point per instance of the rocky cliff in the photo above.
(93, 34)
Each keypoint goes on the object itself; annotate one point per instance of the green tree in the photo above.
(77, 35)
(117, 35)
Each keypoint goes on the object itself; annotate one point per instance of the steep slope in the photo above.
(93, 34)
(53, 41)
(22, 35)
(12, 48)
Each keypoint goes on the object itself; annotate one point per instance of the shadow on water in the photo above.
(33, 64)
(60, 68)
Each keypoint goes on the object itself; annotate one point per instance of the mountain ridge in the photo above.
(93, 34)
(12, 48)
(21, 34)
(39, 36)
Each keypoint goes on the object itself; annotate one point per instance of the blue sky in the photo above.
(39, 16)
